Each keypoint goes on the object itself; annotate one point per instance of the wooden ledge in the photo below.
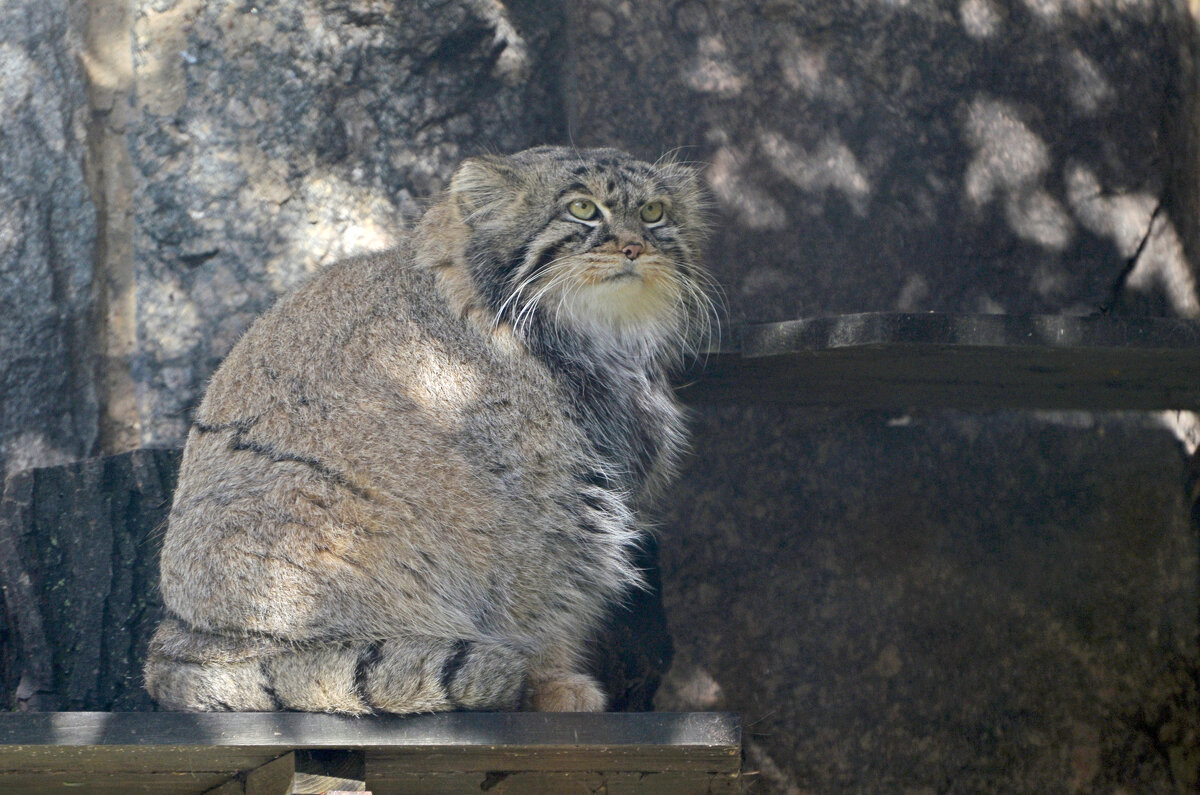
(899, 361)
(448, 752)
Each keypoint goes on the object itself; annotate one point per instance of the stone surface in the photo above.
(947, 602)
(969, 156)
(47, 229)
(272, 138)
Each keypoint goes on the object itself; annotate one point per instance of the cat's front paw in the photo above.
(568, 692)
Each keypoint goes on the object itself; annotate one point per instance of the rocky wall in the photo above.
(48, 404)
(968, 156)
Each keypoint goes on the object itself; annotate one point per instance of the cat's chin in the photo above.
(628, 307)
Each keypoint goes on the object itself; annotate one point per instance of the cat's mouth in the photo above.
(614, 271)
(609, 273)
(622, 275)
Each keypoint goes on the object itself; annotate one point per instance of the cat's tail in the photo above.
(199, 672)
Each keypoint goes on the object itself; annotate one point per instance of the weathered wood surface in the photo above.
(897, 361)
(187, 752)
(537, 783)
(78, 571)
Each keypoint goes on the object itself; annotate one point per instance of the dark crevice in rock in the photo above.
(1119, 286)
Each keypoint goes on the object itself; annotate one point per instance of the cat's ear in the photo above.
(681, 177)
(482, 182)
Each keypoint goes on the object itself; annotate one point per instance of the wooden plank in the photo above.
(204, 750)
(300, 773)
(88, 782)
(328, 771)
(264, 732)
(541, 783)
(565, 756)
(115, 758)
(234, 786)
(274, 778)
(895, 361)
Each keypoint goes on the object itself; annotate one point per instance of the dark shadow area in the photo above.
(963, 602)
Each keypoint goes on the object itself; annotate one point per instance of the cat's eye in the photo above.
(583, 209)
(652, 212)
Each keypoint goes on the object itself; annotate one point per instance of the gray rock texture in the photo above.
(270, 139)
(48, 404)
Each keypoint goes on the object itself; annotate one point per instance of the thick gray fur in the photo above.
(415, 483)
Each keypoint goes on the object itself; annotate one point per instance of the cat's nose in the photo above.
(633, 249)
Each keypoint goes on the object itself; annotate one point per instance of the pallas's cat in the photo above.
(415, 484)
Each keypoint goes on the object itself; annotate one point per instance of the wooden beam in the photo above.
(274, 778)
(300, 773)
(899, 361)
(319, 771)
(195, 752)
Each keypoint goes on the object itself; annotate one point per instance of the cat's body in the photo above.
(415, 483)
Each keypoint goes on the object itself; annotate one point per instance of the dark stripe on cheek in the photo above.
(554, 250)
(517, 260)
(543, 260)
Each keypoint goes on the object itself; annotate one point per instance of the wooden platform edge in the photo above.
(963, 330)
(458, 741)
(900, 361)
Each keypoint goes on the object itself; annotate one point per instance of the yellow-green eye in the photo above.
(583, 209)
(652, 212)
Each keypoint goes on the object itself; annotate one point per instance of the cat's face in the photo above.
(591, 239)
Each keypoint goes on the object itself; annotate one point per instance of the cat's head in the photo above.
(590, 240)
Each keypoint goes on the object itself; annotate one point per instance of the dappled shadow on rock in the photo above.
(975, 157)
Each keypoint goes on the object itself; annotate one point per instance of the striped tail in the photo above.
(193, 671)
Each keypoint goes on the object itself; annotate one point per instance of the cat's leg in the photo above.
(556, 684)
